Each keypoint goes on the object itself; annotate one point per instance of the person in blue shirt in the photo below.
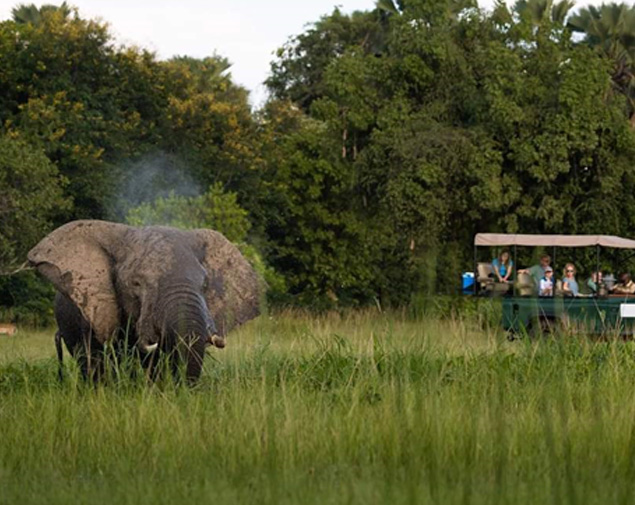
(503, 266)
(569, 284)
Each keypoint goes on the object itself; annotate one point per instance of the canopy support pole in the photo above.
(553, 277)
(475, 266)
(515, 270)
(597, 268)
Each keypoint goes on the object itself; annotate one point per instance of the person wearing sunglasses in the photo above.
(569, 284)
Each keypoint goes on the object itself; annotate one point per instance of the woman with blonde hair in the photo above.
(569, 284)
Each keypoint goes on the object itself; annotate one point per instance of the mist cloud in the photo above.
(154, 176)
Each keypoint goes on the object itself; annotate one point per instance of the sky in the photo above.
(247, 32)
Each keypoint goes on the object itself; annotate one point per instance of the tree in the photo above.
(87, 104)
(214, 209)
(315, 237)
(390, 138)
(468, 121)
(539, 11)
(297, 73)
(32, 196)
(106, 115)
(208, 123)
(610, 30)
(31, 14)
(388, 6)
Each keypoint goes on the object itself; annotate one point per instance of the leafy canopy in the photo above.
(32, 196)
(214, 209)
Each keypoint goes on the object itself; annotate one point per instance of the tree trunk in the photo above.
(344, 137)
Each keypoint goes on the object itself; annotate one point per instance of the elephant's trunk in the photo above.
(184, 315)
(184, 323)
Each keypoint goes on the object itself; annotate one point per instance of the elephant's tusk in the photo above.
(149, 348)
(217, 341)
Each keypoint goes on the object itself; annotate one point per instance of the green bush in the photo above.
(215, 209)
(32, 196)
(26, 299)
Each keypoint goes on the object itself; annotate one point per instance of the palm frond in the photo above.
(387, 6)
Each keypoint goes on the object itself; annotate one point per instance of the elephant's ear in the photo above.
(75, 259)
(233, 288)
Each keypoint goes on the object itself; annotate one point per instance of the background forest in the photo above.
(389, 138)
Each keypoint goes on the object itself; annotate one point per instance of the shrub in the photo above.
(214, 209)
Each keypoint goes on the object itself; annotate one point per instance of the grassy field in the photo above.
(362, 408)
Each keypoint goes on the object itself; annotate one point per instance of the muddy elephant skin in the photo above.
(160, 288)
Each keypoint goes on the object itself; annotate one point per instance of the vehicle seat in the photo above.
(483, 272)
(525, 285)
(559, 291)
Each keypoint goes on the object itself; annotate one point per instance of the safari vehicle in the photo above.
(525, 312)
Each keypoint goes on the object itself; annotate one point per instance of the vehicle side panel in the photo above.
(586, 315)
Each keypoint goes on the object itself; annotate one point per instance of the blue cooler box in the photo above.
(468, 282)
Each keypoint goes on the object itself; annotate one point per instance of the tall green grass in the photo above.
(354, 408)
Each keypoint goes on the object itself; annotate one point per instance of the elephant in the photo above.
(154, 289)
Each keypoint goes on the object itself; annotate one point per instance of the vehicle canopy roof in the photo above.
(517, 239)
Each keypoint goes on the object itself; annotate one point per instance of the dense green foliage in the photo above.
(214, 209)
(356, 409)
(445, 121)
(390, 137)
(610, 29)
(31, 197)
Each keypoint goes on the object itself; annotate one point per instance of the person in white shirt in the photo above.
(546, 283)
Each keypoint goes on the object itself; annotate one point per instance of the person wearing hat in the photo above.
(546, 283)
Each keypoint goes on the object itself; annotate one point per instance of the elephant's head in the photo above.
(162, 281)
